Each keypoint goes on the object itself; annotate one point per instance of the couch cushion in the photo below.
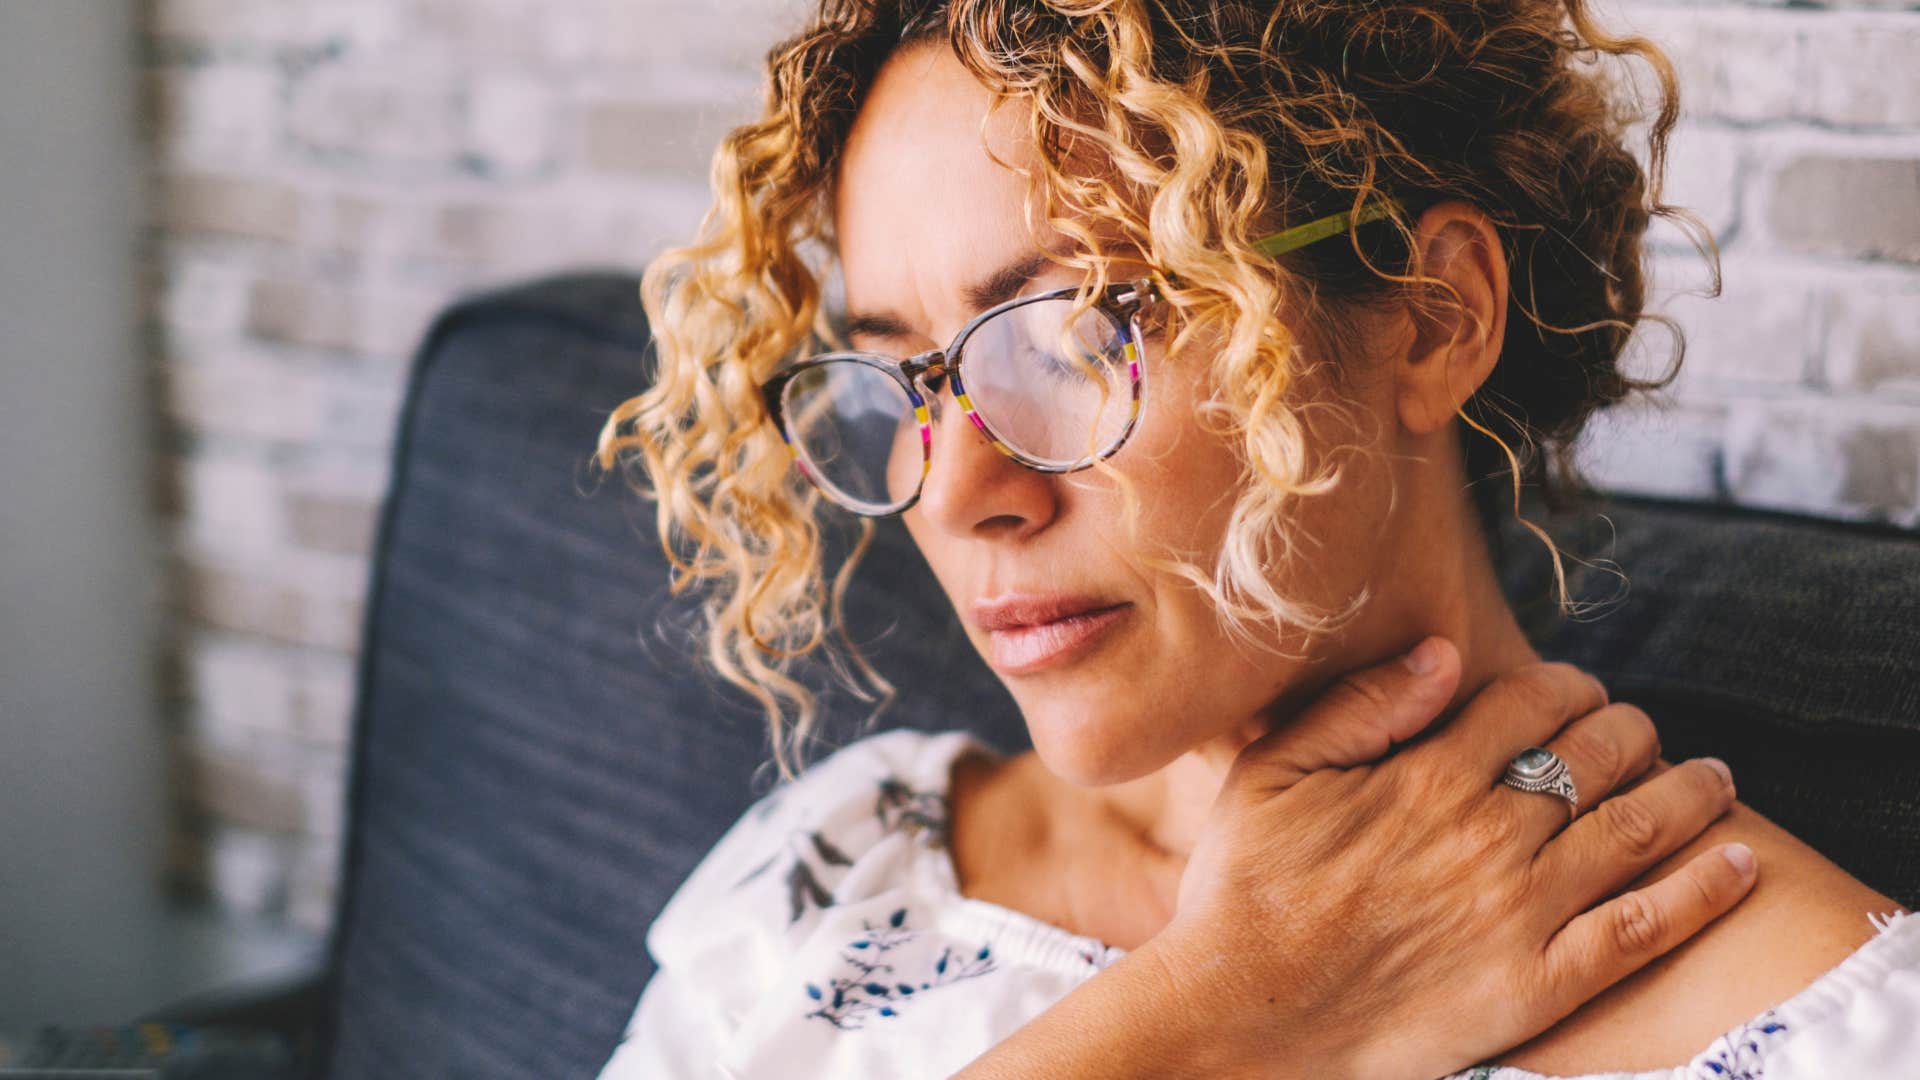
(1787, 646)
(539, 761)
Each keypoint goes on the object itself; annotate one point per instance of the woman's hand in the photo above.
(1413, 916)
(1350, 912)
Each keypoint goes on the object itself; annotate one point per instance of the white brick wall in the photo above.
(1801, 148)
(328, 175)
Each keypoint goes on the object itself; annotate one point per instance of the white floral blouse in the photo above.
(825, 935)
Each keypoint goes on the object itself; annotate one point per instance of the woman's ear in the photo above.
(1461, 318)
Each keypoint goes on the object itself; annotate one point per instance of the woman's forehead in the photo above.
(921, 207)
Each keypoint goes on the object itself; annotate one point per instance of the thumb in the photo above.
(1359, 718)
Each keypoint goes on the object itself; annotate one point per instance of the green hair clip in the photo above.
(1320, 228)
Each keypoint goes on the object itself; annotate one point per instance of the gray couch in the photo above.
(539, 761)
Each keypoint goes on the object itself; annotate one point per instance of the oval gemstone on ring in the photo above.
(1533, 762)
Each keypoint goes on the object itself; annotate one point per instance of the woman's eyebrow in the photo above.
(996, 288)
(880, 326)
(1005, 283)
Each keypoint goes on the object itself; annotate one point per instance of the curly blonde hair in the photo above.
(1218, 121)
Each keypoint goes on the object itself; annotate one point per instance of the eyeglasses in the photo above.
(1050, 387)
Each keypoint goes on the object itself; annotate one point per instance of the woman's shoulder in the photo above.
(1786, 966)
(1859, 1019)
(849, 822)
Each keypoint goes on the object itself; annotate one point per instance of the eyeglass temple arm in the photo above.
(1320, 228)
(1286, 240)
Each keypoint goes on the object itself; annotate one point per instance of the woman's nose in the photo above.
(973, 489)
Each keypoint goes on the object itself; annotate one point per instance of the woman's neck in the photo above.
(1457, 597)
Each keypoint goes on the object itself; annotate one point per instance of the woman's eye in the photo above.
(1079, 365)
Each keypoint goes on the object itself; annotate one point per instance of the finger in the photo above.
(1525, 706)
(1603, 750)
(1612, 941)
(1624, 835)
(1660, 765)
(1357, 719)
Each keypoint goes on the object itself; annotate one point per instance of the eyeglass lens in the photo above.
(1057, 390)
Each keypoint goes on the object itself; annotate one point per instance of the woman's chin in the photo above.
(1092, 747)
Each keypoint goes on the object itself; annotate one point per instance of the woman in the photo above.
(1210, 285)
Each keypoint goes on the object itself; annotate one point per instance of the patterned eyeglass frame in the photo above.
(1121, 303)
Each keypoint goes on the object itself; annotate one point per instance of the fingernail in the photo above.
(1741, 856)
(1721, 768)
(1424, 657)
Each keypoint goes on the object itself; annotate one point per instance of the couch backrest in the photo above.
(539, 761)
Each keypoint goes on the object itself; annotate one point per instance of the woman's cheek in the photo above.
(906, 459)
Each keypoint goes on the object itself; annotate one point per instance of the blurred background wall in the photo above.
(324, 176)
(81, 798)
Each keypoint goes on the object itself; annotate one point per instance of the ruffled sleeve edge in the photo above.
(729, 891)
(1894, 947)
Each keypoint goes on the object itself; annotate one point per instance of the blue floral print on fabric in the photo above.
(1736, 1055)
(874, 986)
(899, 808)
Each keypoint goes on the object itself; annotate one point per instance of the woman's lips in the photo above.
(1028, 647)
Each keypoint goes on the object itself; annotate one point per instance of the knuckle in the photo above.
(1563, 675)
(1639, 723)
(1638, 925)
(1361, 694)
(1411, 782)
(1436, 782)
(1645, 730)
(1536, 687)
(1632, 826)
(1703, 888)
(1596, 748)
(1497, 827)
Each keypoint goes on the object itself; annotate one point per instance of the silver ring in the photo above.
(1539, 769)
